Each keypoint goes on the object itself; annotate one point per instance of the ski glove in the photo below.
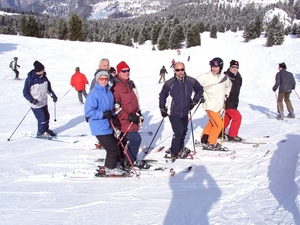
(141, 116)
(54, 97)
(193, 103)
(107, 115)
(164, 111)
(202, 100)
(274, 89)
(134, 118)
(34, 101)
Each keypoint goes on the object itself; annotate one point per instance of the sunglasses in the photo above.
(177, 70)
(103, 79)
(125, 71)
(234, 67)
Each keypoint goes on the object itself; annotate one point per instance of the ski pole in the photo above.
(66, 93)
(19, 124)
(55, 112)
(120, 139)
(197, 108)
(223, 127)
(192, 129)
(296, 94)
(124, 148)
(146, 152)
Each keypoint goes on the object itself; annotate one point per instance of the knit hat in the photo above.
(101, 73)
(38, 66)
(121, 66)
(282, 65)
(234, 63)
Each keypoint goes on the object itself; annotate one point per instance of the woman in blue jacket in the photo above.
(98, 109)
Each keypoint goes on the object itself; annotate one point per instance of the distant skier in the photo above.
(286, 83)
(162, 74)
(188, 58)
(172, 63)
(14, 66)
(78, 81)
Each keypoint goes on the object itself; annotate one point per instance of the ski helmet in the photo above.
(217, 62)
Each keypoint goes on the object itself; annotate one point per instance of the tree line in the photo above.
(166, 29)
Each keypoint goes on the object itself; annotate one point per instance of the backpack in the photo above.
(11, 65)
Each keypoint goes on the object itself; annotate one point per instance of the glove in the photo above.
(274, 89)
(107, 114)
(141, 116)
(164, 111)
(86, 119)
(202, 100)
(132, 117)
(192, 104)
(34, 101)
(54, 97)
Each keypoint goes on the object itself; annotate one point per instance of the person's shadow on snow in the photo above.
(281, 175)
(193, 195)
(72, 123)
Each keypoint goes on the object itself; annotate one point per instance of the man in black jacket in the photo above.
(231, 104)
(286, 82)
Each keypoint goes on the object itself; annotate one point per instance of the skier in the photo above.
(232, 114)
(128, 114)
(36, 88)
(78, 81)
(14, 66)
(162, 74)
(172, 63)
(180, 88)
(216, 89)
(99, 109)
(286, 82)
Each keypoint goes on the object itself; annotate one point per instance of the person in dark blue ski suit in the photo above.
(180, 88)
(36, 88)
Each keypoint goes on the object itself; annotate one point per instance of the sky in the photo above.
(52, 182)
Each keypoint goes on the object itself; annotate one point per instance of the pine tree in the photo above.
(75, 28)
(177, 36)
(62, 30)
(213, 31)
(275, 32)
(162, 43)
(193, 37)
(155, 32)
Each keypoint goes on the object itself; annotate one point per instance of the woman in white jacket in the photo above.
(216, 88)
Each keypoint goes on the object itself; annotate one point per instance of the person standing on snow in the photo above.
(180, 88)
(216, 89)
(99, 109)
(36, 88)
(78, 81)
(172, 63)
(231, 104)
(103, 65)
(162, 74)
(14, 67)
(128, 114)
(286, 82)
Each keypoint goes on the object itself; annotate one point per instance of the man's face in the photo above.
(215, 70)
(104, 65)
(125, 73)
(179, 70)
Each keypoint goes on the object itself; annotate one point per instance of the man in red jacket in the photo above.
(78, 81)
(128, 114)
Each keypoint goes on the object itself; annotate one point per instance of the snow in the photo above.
(37, 184)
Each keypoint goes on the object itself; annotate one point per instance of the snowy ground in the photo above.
(37, 184)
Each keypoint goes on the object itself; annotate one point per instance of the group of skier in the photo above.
(113, 111)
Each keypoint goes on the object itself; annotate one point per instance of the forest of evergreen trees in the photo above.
(166, 29)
